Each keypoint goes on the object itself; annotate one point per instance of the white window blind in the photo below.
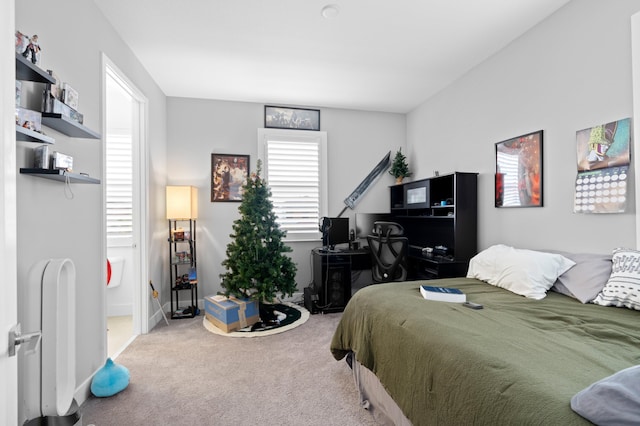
(119, 188)
(509, 165)
(294, 165)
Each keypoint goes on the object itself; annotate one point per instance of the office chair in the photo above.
(388, 247)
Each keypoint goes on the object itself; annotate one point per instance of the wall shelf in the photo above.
(27, 71)
(28, 135)
(59, 175)
(67, 126)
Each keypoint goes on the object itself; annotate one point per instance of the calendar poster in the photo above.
(603, 168)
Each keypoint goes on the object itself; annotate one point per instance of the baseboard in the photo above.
(83, 392)
(296, 298)
(156, 318)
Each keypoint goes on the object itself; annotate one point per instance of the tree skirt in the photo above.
(289, 315)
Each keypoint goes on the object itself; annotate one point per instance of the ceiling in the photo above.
(374, 55)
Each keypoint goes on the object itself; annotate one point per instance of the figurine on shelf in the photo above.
(32, 51)
(21, 42)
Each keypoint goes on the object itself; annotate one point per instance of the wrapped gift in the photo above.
(230, 314)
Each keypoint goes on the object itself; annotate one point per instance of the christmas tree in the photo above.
(399, 167)
(256, 266)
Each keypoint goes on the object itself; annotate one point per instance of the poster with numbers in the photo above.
(603, 168)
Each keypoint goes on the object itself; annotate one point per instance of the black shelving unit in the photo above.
(183, 263)
(438, 212)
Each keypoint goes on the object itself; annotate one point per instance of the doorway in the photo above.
(125, 206)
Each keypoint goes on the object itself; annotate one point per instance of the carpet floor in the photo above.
(183, 374)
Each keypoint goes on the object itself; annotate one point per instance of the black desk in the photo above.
(332, 287)
(333, 272)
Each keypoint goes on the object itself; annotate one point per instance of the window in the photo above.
(294, 166)
(119, 163)
(119, 188)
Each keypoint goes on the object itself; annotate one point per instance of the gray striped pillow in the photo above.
(623, 287)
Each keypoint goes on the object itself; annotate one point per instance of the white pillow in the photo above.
(525, 272)
(623, 287)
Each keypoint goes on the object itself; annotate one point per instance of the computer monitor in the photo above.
(335, 230)
(365, 221)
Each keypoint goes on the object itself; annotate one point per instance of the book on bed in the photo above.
(443, 294)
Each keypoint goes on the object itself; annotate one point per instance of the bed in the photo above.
(520, 360)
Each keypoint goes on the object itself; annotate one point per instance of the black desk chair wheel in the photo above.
(388, 247)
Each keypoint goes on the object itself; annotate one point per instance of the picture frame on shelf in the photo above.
(70, 96)
(229, 174)
(29, 119)
(55, 88)
(518, 178)
(18, 93)
(276, 117)
(21, 42)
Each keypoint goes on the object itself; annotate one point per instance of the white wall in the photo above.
(357, 141)
(51, 225)
(571, 72)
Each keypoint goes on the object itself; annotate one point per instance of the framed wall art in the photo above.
(291, 118)
(229, 173)
(518, 180)
(603, 168)
(605, 145)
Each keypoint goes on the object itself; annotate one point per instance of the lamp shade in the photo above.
(182, 202)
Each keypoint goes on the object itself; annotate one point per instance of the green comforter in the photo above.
(516, 362)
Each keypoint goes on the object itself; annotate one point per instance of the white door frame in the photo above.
(140, 198)
(8, 216)
(635, 78)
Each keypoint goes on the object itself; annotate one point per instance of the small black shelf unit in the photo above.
(183, 262)
(59, 175)
(440, 211)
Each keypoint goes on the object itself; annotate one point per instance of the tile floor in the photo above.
(119, 332)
